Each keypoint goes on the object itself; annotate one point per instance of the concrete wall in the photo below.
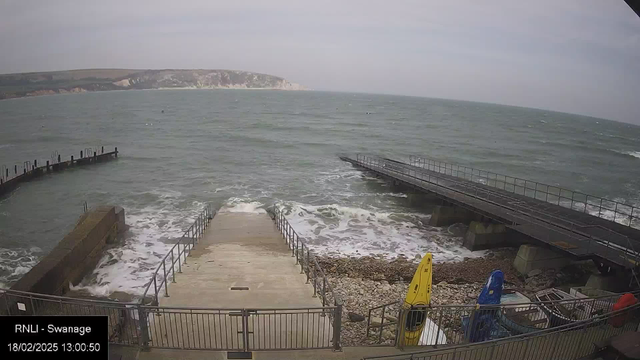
(482, 236)
(533, 257)
(76, 254)
(448, 215)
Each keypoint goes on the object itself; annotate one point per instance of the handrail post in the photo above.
(324, 290)
(155, 288)
(184, 246)
(307, 271)
(173, 270)
(144, 329)
(179, 257)
(315, 281)
(301, 255)
(164, 272)
(586, 202)
(292, 245)
(337, 327)
(438, 329)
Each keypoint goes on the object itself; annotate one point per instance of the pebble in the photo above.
(360, 295)
(534, 272)
(368, 282)
(355, 317)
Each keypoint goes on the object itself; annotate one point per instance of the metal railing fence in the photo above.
(173, 260)
(134, 324)
(567, 342)
(147, 325)
(460, 191)
(595, 205)
(124, 326)
(310, 267)
(239, 329)
(460, 324)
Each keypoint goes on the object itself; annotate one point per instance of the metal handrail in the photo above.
(603, 298)
(66, 299)
(383, 315)
(598, 303)
(574, 227)
(631, 311)
(188, 241)
(476, 175)
(310, 267)
(305, 258)
(399, 167)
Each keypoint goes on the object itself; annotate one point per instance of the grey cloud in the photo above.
(580, 56)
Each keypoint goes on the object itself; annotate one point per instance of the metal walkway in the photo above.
(560, 218)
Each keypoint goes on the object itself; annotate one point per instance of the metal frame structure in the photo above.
(240, 329)
(448, 318)
(314, 273)
(533, 218)
(621, 213)
(147, 325)
(567, 342)
(177, 255)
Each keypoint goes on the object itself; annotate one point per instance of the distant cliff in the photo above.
(60, 82)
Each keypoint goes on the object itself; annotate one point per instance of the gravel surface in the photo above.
(360, 295)
(367, 282)
(471, 270)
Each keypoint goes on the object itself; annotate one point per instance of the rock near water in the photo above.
(356, 317)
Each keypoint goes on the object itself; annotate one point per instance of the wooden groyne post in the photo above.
(31, 171)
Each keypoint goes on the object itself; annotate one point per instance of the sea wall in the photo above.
(76, 254)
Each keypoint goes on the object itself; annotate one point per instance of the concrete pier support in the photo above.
(607, 282)
(447, 215)
(422, 200)
(482, 236)
(532, 257)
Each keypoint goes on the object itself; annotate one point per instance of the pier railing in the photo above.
(616, 211)
(311, 268)
(567, 342)
(460, 190)
(173, 260)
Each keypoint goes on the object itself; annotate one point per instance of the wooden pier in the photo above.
(31, 171)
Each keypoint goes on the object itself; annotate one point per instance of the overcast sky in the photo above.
(578, 56)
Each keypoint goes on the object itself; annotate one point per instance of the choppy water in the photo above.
(244, 150)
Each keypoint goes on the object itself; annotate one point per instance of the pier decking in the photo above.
(559, 219)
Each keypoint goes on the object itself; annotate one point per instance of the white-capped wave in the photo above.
(341, 230)
(635, 154)
(242, 205)
(16, 262)
(231, 187)
(152, 232)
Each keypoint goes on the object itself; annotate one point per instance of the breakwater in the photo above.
(10, 178)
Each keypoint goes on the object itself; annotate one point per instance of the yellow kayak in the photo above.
(419, 294)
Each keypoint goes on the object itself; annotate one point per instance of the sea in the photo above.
(247, 150)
